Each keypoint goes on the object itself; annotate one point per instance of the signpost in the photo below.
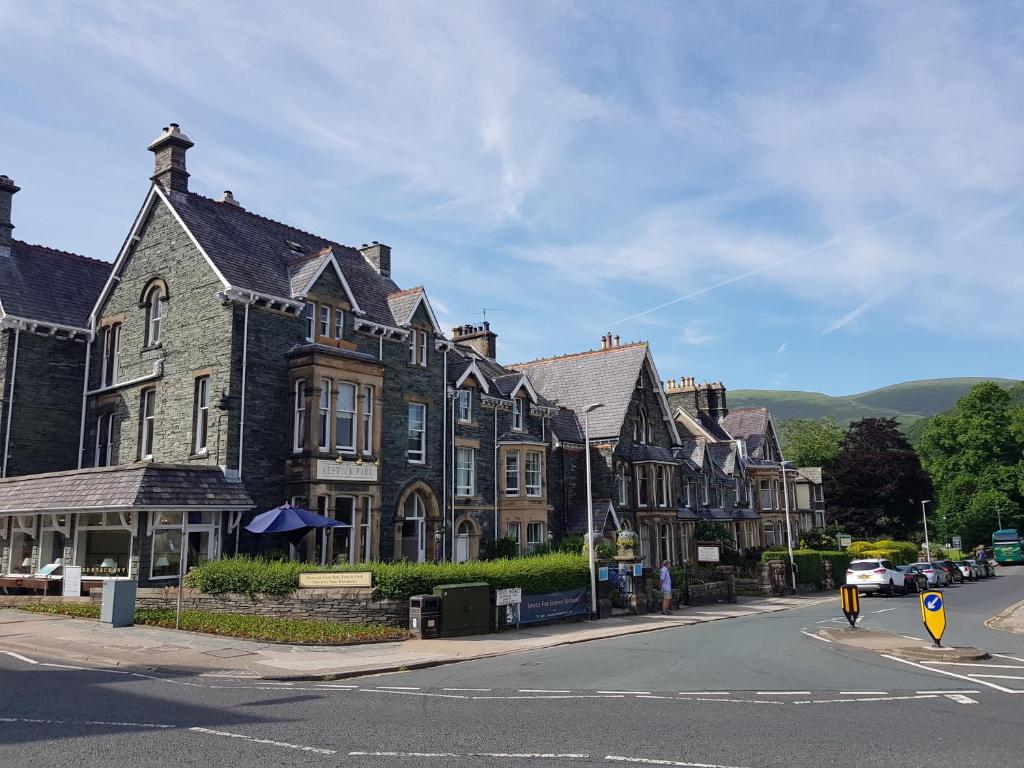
(845, 540)
(850, 596)
(72, 581)
(933, 613)
(335, 579)
(512, 596)
(708, 552)
(957, 542)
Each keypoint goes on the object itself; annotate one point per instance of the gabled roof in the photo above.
(724, 455)
(404, 304)
(305, 272)
(470, 368)
(750, 425)
(811, 474)
(49, 286)
(604, 513)
(567, 427)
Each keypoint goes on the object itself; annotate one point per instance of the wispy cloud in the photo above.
(782, 348)
(694, 336)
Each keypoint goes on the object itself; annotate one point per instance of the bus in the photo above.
(1006, 547)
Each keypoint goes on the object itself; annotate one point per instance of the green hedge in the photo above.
(396, 581)
(908, 550)
(840, 562)
(896, 555)
(810, 564)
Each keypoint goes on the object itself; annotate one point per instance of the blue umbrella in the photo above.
(288, 518)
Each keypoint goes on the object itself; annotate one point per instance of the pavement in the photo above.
(167, 651)
(1010, 620)
(909, 648)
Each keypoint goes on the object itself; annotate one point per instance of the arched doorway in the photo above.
(414, 528)
(467, 540)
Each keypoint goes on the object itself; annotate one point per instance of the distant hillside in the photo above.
(908, 402)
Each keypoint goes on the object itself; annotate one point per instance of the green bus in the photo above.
(1006, 547)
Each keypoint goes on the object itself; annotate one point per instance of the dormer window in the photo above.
(465, 405)
(154, 312)
(325, 321)
(518, 406)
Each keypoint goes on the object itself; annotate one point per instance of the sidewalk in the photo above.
(1010, 620)
(169, 652)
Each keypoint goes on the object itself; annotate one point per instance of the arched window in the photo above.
(462, 534)
(154, 310)
(644, 434)
(414, 528)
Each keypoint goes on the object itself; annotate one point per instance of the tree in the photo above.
(875, 484)
(983, 515)
(811, 443)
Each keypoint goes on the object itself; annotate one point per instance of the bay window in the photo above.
(665, 542)
(766, 495)
(533, 473)
(364, 531)
(344, 536)
(534, 536)
(345, 418)
(416, 452)
(512, 473)
(52, 539)
(21, 552)
(642, 487)
(103, 544)
(662, 481)
(465, 472)
(167, 549)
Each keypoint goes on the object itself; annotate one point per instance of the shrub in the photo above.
(504, 547)
(840, 562)
(821, 539)
(858, 547)
(895, 555)
(396, 581)
(907, 549)
(570, 543)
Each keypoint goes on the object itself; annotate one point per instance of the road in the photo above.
(757, 691)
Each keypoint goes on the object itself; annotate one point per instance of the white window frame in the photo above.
(412, 346)
(642, 483)
(665, 542)
(366, 529)
(661, 473)
(534, 489)
(518, 406)
(817, 493)
(201, 416)
(643, 426)
(104, 426)
(209, 526)
(532, 542)
(417, 456)
(707, 491)
(111, 520)
(340, 413)
(147, 412)
(154, 316)
(350, 525)
(623, 487)
(50, 525)
(309, 316)
(465, 406)
(299, 417)
(367, 420)
(111, 355)
(765, 487)
(465, 471)
(339, 323)
(512, 473)
(424, 338)
(323, 416)
(514, 531)
(325, 321)
(645, 543)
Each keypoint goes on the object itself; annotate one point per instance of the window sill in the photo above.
(153, 347)
(198, 456)
(416, 463)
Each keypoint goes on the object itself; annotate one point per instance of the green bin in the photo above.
(465, 608)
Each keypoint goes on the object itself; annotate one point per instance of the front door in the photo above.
(414, 540)
(462, 543)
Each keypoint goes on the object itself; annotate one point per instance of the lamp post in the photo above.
(789, 530)
(924, 517)
(590, 509)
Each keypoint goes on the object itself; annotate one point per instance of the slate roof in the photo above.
(724, 455)
(403, 304)
(640, 454)
(712, 426)
(599, 376)
(50, 286)
(257, 254)
(749, 425)
(577, 517)
(813, 474)
(685, 513)
(691, 453)
(348, 354)
(128, 488)
(567, 427)
(520, 437)
(302, 268)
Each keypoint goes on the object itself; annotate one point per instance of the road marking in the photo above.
(514, 755)
(466, 689)
(910, 637)
(540, 690)
(649, 696)
(730, 701)
(85, 669)
(972, 664)
(863, 693)
(705, 693)
(268, 742)
(959, 698)
(1004, 656)
(947, 672)
(557, 696)
(398, 687)
(783, 693)
(883, 610)
(637, 693)
(652, 761)
(876, 698)
(44, 721)
(19, 657)
(338, 687)
(414, 693)
(816, 637)
(945, 692)
(1001, 677)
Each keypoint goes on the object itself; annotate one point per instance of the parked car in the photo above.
(876, 576)
(988, 565)
(936, 576)
(915, 579)
(976, 570)
(947, 571)
(965, 570)
(957, 575)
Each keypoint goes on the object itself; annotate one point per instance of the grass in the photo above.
(262, 628)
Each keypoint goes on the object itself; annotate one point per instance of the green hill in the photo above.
(908, 402)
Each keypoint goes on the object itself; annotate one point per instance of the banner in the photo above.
(555, 605)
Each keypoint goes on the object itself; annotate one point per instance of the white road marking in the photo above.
(556, 696)
(947, 672)
(1000, 677)
(19, 657)
(1004, 656)
(883, 610)
(415, 693)
(816, 637)
(705, 693)
(484, 690)
(863, 693)
(876, 698)
(783, 693)
(85, 669)
(909, 637)
(652, 761)
(637, 693)
(514, 755)
(730, 701)
(44, 721)
(959, 698)
(649, 696)
(398, 687)
(338, 687)
(540, 690)
(268, 742)
(973, 664)
(945, 692)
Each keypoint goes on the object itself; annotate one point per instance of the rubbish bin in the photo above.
(465, 608)
(118, 606)
(425, 616)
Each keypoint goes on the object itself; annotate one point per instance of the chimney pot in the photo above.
(480, 337)
(169, 150)
(7, 191)
(379, 257)
(230, 199)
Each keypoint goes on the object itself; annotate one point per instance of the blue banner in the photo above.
(555, 605)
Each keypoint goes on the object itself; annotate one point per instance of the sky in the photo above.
(814, 196)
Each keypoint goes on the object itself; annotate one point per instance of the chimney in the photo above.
(682, 394)
(379, 256)
(716, 401)
(169, 149)
(7, 191)
(616, 340)
(479, 337)
(229, 199)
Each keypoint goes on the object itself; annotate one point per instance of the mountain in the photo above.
(908, 402)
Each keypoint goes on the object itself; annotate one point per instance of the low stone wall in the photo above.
(348, 605)
(711, 592)
(13, 601)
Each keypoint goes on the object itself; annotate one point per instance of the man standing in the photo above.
(666, 589)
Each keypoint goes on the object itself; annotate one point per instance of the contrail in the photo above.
(813, 249)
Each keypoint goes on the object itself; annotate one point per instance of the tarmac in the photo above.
(1010, 620)
(899, 645)
(165, 651)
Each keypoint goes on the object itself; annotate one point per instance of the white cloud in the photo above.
(782, 348)
(695, 336)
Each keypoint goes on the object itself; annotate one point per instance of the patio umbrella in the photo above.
(291, 519)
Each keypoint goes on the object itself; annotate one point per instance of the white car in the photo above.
(876, 576)
(936, 576)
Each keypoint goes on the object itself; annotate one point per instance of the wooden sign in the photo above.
(328, 579)
(708, 552)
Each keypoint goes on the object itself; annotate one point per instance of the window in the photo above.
(691, 493)
(345, 418)
(645, 544)
(665, 542)
(766, 495)
(166, 562)
(769, 534)
(148, 412)
(517, 414)
(412, 346)
(339, 323)
(819, 494)
(465, 405)
(325, 321)
(344, 536)
(424, 336)
(153, 315)
(308, 316)
(104, 441)
(512, 473)
(364, 532)
(534, 536)
(324, 415)
(201, 417)
(417, 450)
(111, 355)
(533, 482)
(716, 496)
(21, 552)
(367, 420)
(414, 529)
(623, 487)
(662, 486)
(642, 489)
(684, 544)
(465, 472)
(707, 491)
(643, 426)
(103, 545)
(513, 531)
(52, 540)
(299, 417)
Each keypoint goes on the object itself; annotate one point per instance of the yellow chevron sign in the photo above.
(850, 597)
(933, 614)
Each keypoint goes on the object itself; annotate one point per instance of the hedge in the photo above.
(554, 572)
(896, 555)
(809, 564)
(908, 550)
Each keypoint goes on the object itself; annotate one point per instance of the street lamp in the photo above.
(789, 530)
(924, 517)
(590, 509)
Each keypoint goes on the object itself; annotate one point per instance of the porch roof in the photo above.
(131, 487)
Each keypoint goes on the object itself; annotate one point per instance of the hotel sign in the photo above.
(325, 579)
(348, 471)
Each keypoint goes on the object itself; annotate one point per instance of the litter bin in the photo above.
(118, 606)
(465, 608)
(425, 616)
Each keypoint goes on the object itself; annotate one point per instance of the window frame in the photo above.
(299, 417)
(465, 471)
(413, 346)
(533, 490)
(104, 426)
(339, 323)
(365, 530)
(324, 320)
(111, 357)
(515, 525)
(531, 544)
(154, 316)
(367, 420)
(661, 485)
(352, 446)
(643, 490)
(510, 488)
(623, 483)
(465, 406)
(209, 526)
(518, 407)
(424, 337)
(201, 416)
(323, 416)
(422, 450)
(309, 316)
(147, 419)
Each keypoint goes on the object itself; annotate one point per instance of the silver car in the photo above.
(980, 570)
(936, 576)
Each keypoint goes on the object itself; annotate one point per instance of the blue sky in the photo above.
(778, 195)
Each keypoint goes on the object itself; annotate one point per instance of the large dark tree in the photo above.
(875, 485)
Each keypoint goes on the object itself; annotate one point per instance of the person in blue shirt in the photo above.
(666, 589)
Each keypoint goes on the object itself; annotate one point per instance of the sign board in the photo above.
(602, 573)
(849, 595)
(512, 596)
(638, 569)
(348, 471)
(574, 602)
(327, 579)
(933, 613)
(72, 581)
(708, 553)
(957, 542)
(46, 570)
(845, 540)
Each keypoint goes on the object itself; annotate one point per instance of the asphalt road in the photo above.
(743, 692)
